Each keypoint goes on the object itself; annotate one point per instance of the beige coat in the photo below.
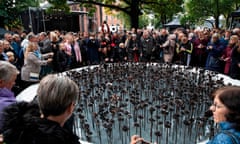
(31, 68)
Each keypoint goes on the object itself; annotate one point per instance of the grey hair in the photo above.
(56, 94)
(7, 70)
(1, 43)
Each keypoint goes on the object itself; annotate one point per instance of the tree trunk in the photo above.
(134, 20)
(216, 21)
(1, 21)
(217, 14)
(227, 21)
(134, 13)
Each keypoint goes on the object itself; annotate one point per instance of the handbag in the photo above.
(34, 76)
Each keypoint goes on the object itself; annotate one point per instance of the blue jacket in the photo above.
(223, 138)
(213, 63)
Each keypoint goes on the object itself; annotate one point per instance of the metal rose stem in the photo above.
(142, 86)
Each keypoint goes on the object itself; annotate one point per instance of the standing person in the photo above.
(122, 53)
(8, 48)
(77, 51)
(44, 43)
(133, 48)
(3, 55)
(8, 75)
(104, 48)
(185, 51)
(32, 64)
(199, 55)
(16, 44)
(105, 27)
(147, 46)
(162, 38)
(227, 54)
(43, 122)
(55, 48)
(93, 46)
(60, 58)
(169, 48)
(115, 41)
(215, 50)
(84, 48)
(235, 62)
(226, 113)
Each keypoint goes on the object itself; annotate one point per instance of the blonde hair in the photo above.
(53, 37)
(30, 48)
(235, 38)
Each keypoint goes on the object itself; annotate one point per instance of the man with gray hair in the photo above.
(44, 43)
(8, 75)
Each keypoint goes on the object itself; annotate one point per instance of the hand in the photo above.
(135, 139)
(1, 138)
(69, 53)
(49, 60)
(209, 47)
(183, 49)
(226, 59)
(239, 65)
(200, 46)
(51, 54)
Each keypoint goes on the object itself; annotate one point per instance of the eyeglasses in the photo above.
(215, 106)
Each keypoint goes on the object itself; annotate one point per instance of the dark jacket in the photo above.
(213, 63)
(235, 60)
(23, 125)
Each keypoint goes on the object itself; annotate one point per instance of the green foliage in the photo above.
(165, 10)
(135, 8)
(10, 10)
(199, 10)
(125, 19)
(143, 21)
(91, 9)
(58, 6)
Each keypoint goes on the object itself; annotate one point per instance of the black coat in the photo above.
(23, 125)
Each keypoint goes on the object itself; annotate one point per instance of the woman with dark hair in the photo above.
(226, 113)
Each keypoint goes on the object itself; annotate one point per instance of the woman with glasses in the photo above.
(226, 113)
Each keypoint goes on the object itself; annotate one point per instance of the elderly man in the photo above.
(8, 75)
(3, 55)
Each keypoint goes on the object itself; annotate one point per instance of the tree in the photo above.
(10, 10)
(133, 8)
(165, 12)
(201, 10)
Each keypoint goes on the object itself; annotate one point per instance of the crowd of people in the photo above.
(44, 120)
(36, 55)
